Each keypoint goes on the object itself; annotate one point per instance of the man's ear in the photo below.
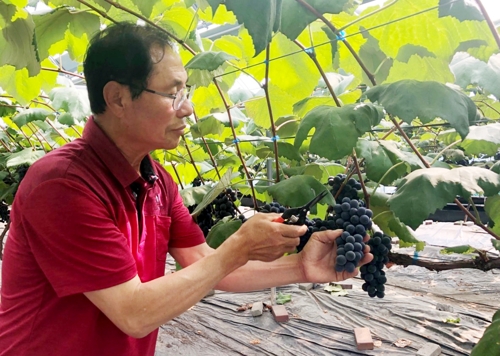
(115, 95)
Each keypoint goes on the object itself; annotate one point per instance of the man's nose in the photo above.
(186, 109)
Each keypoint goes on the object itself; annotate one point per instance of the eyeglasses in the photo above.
(179, 98)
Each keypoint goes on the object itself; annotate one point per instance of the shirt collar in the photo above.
(109, 153)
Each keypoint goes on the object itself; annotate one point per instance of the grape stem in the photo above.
(358, 170)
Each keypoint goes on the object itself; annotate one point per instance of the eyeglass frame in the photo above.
(186, 92)
(183, 98)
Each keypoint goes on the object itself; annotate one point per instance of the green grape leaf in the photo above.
(221, 231)
(309, 170)
(469, 70)
(286, 150)
(297, 191)
(411, 99)
(209, 60)
(463, 250)
(378, 162)
(461, 9)
(26, 156)
(30, 115)
(206, 126)
(71, 100)
(222, 184)
(287, 126)
(480, 140)
(295, 17)
(489, 345)
(302, 107)
(66, 119)
(492, 208)
(146, 6)
(6, 109)
(194, 195)
(16, 43)
(385, 219)
(337, 129)
(258, 16)
(424, 191)
(408, 50)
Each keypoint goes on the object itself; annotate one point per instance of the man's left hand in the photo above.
(318, 258)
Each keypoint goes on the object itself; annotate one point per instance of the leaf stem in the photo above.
(214, 163)
(382, 213)
(385, 174)
(192, 160)
(443, 150)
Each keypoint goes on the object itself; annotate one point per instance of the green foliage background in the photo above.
(406, 91)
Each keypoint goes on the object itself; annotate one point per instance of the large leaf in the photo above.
(295, 17)
(209, 60)
(389, 223)
(286, 150)
(480, 140)
(411, 99)
(71, 100)
(337, 129)
(224, 182)
(16, 42)
(425, 190)
(51, 27)
(378, 162)
(469, 70)
(258, 16)
(489, 345)
(194, 195)
(297, 191)
(461, 9)
(30, 115)
(206, 126)
(27, 156)
(221, 231)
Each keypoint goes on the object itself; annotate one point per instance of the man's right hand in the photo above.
(259, 238)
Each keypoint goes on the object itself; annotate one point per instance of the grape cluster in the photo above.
(4, 212)
(205, 219)
(354, 220)
(273, 207)
(349, 190)
(224, 204)
(372, 273)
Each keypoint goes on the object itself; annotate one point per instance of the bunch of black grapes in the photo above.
(224, 204)
(372, 273)
(349, 190)
(205, 218)
(354, 220)
(4, 212)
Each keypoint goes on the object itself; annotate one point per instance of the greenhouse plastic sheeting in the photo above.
(322, 324)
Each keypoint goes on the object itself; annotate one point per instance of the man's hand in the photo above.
(261, 239)
(318, 258)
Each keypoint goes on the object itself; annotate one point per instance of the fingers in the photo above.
(283, 229)
(328, 236)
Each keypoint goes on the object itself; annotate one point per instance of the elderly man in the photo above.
(83, 269)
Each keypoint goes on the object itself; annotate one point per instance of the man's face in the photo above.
(154, 124)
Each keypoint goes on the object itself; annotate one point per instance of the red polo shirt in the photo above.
(75, 228)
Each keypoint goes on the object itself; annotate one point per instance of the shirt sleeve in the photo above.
(74, 238)
(184, 232)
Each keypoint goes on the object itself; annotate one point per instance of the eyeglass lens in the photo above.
(181, 97)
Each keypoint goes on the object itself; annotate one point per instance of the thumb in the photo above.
(328, 236)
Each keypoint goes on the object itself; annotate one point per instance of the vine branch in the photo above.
(491, 25)
(226, 105)
(270, 110)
